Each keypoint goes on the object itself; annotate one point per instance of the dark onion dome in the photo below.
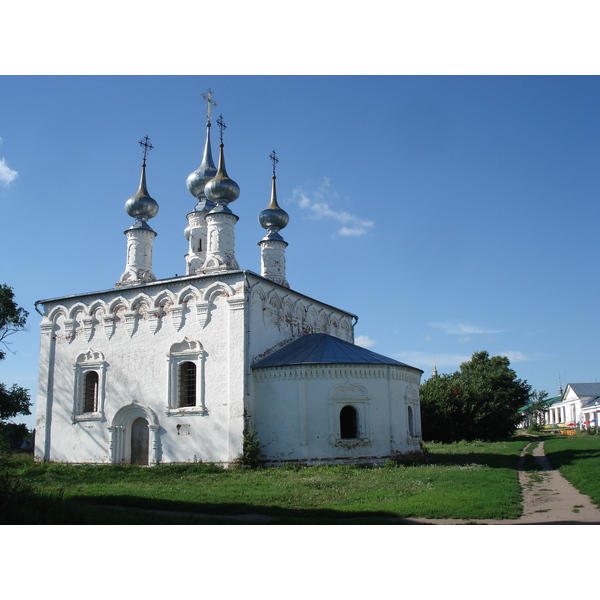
(197, 180)
(221, 189)
(141, 205)
(273, 218)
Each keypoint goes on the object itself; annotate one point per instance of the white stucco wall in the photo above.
(297, 412)
(279, 315)
(133, 337)
(134, 329)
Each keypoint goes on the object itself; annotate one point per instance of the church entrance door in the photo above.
(139, 441)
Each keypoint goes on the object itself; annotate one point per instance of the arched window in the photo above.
(348, 423)
(89, 386)
(411, 422)
(90, 392)
(186, 378)
(187, 384)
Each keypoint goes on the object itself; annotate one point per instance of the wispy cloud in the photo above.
(515, 356)
(364, 340)
(463, 329)
(317, 200)
(7, 175)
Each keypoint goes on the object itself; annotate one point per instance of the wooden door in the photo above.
(139, 442)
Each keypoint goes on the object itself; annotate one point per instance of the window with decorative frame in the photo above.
(349, 416)
(89, 386)
(186, 381)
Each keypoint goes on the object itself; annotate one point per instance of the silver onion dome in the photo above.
(273, 218)
(142, 206)
(197, 180)
(221, 189)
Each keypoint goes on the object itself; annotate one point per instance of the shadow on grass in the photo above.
(489, 459)
(132, 510)
(563, 458)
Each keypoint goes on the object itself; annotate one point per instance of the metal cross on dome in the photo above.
(221, 125)
(209, 102)
(147, 146)
(274, 160)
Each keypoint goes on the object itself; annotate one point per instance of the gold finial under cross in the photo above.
(221, 125)
(274, 160)
(147, 146)
(209, 102)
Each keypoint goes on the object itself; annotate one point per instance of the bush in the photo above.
(252, 451)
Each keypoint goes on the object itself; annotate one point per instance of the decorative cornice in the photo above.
(392, 372)
(148, 306)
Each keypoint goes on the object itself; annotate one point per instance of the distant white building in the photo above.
(578, 406)
(182, 369)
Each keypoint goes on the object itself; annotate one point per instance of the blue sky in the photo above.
(452, 214)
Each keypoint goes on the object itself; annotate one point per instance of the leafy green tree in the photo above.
(14, 400)
(537, 410)
(12, 317)
(480, 401)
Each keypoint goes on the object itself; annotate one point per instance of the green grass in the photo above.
(473, 480)
(577, 457)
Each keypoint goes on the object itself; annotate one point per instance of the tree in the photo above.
(537, 410)
(480, 401)
(15, 400)
(12, 317)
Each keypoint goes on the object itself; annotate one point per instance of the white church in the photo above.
(183, 369)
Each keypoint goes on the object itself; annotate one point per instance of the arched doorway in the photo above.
(134, 436)
(140, 440)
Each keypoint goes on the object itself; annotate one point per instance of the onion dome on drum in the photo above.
(197, 180)
(273, 218)
(221, 189)
(142, 206)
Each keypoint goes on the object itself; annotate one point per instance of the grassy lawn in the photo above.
(463, 480)
(577, 457)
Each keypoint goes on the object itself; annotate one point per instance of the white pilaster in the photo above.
(272, 260)
(220, 254)
(138, 268)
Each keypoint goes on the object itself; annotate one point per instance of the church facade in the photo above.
(184, 369)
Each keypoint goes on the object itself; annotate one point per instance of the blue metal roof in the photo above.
(320, 348)
(586, 390)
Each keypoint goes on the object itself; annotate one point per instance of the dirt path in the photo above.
(548, 499)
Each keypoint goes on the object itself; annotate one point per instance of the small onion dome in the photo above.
(221, 189)
(205, 172)
(142, 206)
(273, 218)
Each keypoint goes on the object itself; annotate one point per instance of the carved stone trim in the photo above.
(88, 327)
(108, 322)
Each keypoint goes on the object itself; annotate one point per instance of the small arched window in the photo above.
(90, 392)
(187, 384)
(348, 423)
(411, 421)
